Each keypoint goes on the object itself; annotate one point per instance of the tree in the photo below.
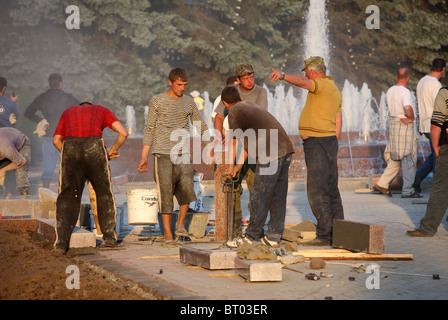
(123, 51)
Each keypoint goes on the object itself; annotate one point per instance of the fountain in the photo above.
(365, 119)
(130, 121)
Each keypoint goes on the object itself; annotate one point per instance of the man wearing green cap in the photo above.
(248, 91)
(320, 126)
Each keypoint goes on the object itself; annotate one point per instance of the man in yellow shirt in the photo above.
(320, 126)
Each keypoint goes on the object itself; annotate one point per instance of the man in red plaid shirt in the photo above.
(84, 156)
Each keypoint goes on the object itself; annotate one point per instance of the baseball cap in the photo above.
(243, 69)
(314, 62)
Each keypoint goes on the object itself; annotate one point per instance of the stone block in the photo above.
(359, 237)
(45, 227)
(47, 200)
(20, 207)
(80, 238)
(195, 223)
(259, 270)
(206, 256)
(47, 195)
(17, 222)
(305, 230)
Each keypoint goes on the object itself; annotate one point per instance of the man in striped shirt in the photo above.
(168, 121)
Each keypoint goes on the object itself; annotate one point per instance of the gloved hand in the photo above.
(12, 118)
(42, 126)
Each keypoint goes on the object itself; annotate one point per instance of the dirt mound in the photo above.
(31, 270)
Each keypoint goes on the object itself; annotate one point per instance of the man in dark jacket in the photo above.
(51, 104)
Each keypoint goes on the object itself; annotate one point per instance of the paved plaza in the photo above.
(143, 258)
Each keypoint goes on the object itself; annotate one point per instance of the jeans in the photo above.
(322, 183)
(268, 194)
(438, 201)
(247, 172)
(427, 166)
(50, 158)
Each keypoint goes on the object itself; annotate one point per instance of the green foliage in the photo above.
(411, 35)
(124, 49)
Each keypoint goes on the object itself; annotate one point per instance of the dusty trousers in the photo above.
(268, 196)
(322, 183)
(84, 159)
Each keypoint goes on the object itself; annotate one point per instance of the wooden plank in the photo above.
(167, 256)
(347, 255)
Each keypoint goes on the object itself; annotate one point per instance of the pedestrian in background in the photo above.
(401, 150)
(427, 89)
(50, 104)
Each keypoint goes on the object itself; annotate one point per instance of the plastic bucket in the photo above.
(143, 206)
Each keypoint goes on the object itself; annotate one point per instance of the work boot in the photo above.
(416, 233)
(382, 190)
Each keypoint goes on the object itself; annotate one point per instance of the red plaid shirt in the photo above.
(85, 121)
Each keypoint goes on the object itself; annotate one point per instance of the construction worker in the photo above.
(78, 136)
(273, 158)
(15, 154)
(172, 112)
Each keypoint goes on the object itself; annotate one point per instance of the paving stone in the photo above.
(21, 207)
(47, 200)
(45, 227)
(207, 257)
(18, 222)
(80, 238)
(259, 270)
(359, 237)
(305, 230)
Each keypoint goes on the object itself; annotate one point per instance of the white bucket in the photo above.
(143, 206)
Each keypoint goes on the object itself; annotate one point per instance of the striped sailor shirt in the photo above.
(168, 124)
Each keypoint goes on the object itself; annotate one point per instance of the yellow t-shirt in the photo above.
(318, 118)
